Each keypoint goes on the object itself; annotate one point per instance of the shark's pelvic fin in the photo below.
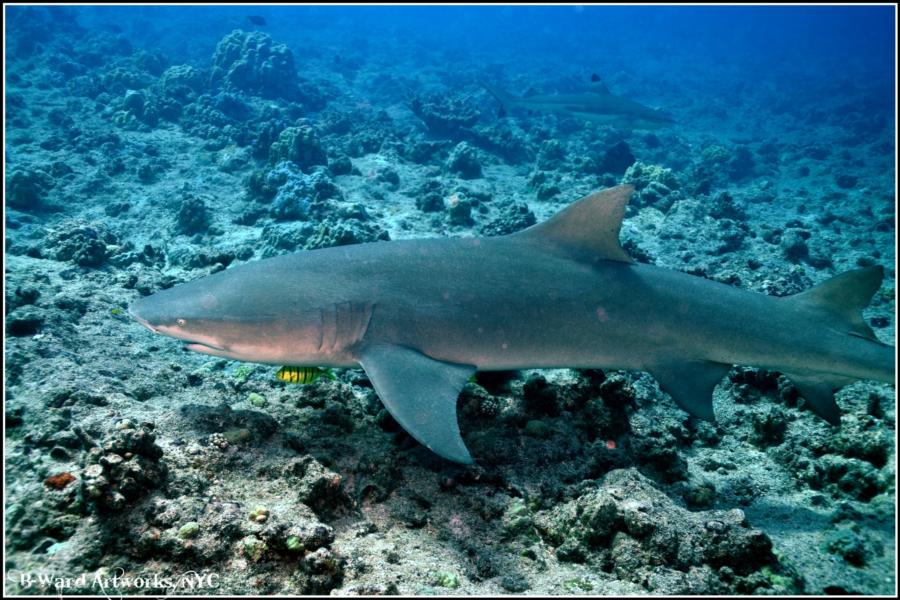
(691, 385)
(420, 393)
(843, 297)
(587, 229)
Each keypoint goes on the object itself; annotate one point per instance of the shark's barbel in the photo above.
(421, 316)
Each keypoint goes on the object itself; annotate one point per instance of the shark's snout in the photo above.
(134, 311)
(159, 316)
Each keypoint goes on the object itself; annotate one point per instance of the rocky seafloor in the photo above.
(128, 172)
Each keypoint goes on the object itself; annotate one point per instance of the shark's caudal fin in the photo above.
(840, 301)
(587, 229)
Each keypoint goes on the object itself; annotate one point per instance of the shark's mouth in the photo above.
(203, 347)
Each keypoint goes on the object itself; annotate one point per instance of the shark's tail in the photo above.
(506, 101)
(840, 301)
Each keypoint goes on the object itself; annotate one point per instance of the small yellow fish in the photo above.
(302, 374)
(117, 311)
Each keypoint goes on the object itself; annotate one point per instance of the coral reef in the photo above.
(631, 529)
(444, 115)
(299, 145)
(464, 161)
(123, 468)
(654, 185)
(253, 62)
(26, 189)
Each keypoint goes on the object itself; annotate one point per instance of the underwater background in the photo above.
(147, 146)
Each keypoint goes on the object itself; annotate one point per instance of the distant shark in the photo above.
(421, 316)
(597, 105)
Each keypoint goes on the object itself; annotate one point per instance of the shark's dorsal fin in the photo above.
(587, 229)
(844, 296)
(420, 393)
(597, 85)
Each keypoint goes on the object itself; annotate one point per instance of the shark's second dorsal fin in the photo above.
(587, 229)
(843, 297)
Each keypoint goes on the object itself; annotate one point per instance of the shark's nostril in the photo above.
(134, 315)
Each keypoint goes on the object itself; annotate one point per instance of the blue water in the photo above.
(832, 41)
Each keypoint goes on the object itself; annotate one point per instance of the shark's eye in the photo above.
(180, 322)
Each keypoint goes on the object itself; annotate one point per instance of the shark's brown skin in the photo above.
(420, 316)
(597, 105)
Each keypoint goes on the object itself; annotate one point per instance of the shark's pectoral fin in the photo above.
(691, 384)
(420, 393)
(818, 391)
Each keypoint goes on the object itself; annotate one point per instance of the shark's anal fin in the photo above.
(420, 393)
(588, 229)
(818, 391)
(691, 384)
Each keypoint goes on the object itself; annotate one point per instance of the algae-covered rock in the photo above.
(193, 216)
(513, 217)
(550, 155)
(257, 400)
(253, 62)
(342, 233)
(26, 188)
(299, 145)
(86, 245)
(444, 114)
(300, 196)
(464, 161)
(25, 321)
(459, 211)
(189, 530)
(430, 196)
(316, 485)
(125, 467)
(547, 191)
(629, 525)
(446, 579)
(252, 547)
(616, 159)
(654, 185)
(182, 83)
